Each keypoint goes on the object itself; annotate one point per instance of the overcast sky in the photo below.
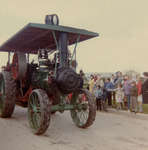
(122, 25)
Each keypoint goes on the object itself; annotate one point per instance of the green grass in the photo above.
(145, 108)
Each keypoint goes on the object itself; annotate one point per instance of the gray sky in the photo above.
(122, 24)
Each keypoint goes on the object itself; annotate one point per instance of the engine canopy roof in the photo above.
(38, 36)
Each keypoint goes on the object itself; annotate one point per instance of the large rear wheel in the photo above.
(39, 112)
(7, 94)
(85, 117)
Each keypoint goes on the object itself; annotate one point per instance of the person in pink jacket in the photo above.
(139, 87)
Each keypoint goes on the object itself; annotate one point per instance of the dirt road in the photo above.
(111, 131)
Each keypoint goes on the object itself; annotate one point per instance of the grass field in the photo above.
(145, 108)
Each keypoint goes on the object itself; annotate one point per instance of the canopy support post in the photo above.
(8, 58)
(74, 51)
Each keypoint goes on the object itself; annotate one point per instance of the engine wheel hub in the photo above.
(68, 81)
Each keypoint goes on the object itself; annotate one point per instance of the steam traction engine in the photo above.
(49, 85)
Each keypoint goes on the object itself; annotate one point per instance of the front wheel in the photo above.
(39, 111)
(85, 117)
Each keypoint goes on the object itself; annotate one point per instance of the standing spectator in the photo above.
(113, 78)
(127, 88)
(139, 87)
(95, 83)
(85, 80)
(119, 96)
(109, 88)
(113, 92)
(118, 79)
(104, 97)
(145, 88)
(73, 65)
(99, 96)
(91, 84)
(134, 95)
(99, 81)
(82, 77)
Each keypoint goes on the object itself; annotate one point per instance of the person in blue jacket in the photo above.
(109, 88)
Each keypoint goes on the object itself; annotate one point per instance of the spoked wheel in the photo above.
(7, 94)
(39, 111)
(84, 117)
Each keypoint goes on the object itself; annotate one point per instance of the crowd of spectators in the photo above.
(118, 91)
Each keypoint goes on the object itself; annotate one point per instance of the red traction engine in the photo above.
(44, 87)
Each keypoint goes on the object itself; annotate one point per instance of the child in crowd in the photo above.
(99, 96)
(134, 95)
(104, 97)
(119, 96)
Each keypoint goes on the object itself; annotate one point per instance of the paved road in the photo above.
(111, 131)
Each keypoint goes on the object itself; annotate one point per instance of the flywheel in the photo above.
(19, 65)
